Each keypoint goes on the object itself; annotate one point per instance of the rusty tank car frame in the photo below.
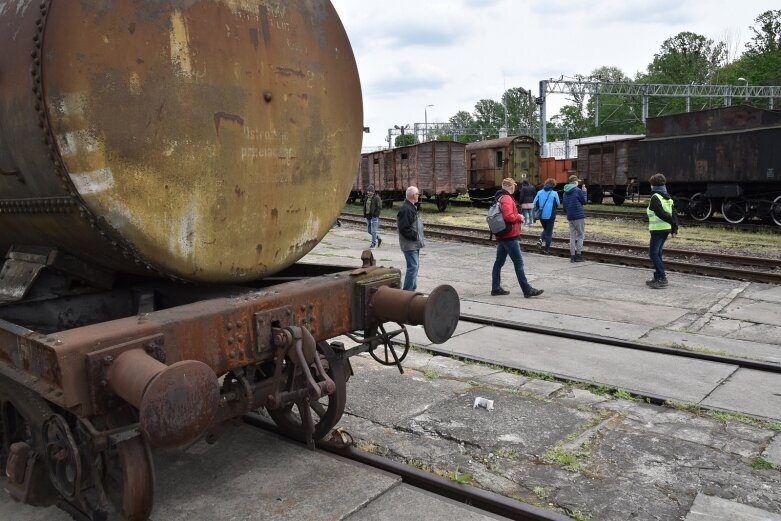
(84, 399)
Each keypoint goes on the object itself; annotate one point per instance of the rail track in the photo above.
(467, 494)
(641, 216)
(752, 269)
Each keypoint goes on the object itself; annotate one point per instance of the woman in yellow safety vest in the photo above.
(662, 221)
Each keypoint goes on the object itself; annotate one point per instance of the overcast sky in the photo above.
(453, 53)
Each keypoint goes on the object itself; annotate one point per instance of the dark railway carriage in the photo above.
(725, 160)
(488, 162)
(133, 159)
(608, 167)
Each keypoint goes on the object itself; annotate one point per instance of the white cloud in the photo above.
(452, 53)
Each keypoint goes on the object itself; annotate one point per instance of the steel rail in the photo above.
(461, 234)
(744, 363)
(467, 494)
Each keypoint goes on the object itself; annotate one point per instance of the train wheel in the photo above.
(324, 413)
(595, 194)
(619, 195)
(734, 210)
(775, 211)
(700, 207)
(442, 201)
(22, 415)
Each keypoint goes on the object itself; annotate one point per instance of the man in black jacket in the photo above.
(372, 206)
(411, 238)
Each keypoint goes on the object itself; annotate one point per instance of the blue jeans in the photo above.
(655, 252)
(371, 228)
(512, 248)
(411, 275)
(528, 216)
(546, 235)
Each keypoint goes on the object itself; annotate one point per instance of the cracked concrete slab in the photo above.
(710, 508)
(752, 392)
(716, 344)
(773, 451)
(758, 311)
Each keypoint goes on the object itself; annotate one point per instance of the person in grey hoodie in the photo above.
(574, 202)
(411, 238)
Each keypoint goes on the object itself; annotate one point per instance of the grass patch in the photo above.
(506, 453)
(562, 457)
(431, 374)
(577, 515)
(540, 493)
(724, 416)
(761, 464)
(462, 478)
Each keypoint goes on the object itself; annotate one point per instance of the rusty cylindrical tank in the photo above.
(209, 140)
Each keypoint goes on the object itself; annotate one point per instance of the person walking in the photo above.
(547, 200)
(526, 197)
(372, 206)
(662, 222)
(574, 202)
(411, 238)
(507, 243)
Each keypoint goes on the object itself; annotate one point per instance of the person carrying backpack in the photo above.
(546, 201)
(507, 243)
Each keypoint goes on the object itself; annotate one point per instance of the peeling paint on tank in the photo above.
(76, 143)
(180, 44)
(134, 83)
(186, 232)
(22, 6)
(93, 182)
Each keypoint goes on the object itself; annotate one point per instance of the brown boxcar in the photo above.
(609, 167)
(435, 167)
(724, 160)
(489, 162)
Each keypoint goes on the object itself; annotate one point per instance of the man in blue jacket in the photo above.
(574, 202)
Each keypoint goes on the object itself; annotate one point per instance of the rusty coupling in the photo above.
(438, 312)
(176, 403)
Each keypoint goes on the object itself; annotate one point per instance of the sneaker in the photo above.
(546, 252)
(533, 293)
(372, 246)
(379, 242)
(540, 243)
(500, 291)
(578, 258)
(655, 284)
(663, 282)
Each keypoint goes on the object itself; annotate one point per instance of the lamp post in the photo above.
(425, 121)
(745, 85)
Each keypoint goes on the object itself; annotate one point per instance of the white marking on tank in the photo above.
(93, 182)
(22, 6)
(180, 44)
(79, 141)
(186, 231)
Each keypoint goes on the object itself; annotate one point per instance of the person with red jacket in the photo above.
(507, 243)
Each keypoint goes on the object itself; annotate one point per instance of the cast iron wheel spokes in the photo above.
(123, 477)
(775, 211)
(295, 419)
(734, 210)
(700, 207)
(388, 355)
(62, 457)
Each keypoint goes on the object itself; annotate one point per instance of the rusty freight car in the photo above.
(435, 167)
(725, 160)
(488, 162)
(162, 174)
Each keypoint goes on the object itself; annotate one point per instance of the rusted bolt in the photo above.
(229, 325)
(240, 338)
(233, 354)
(267, 96)
(103, 383)
(108, 360)
(230, 339)
(239, 324)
